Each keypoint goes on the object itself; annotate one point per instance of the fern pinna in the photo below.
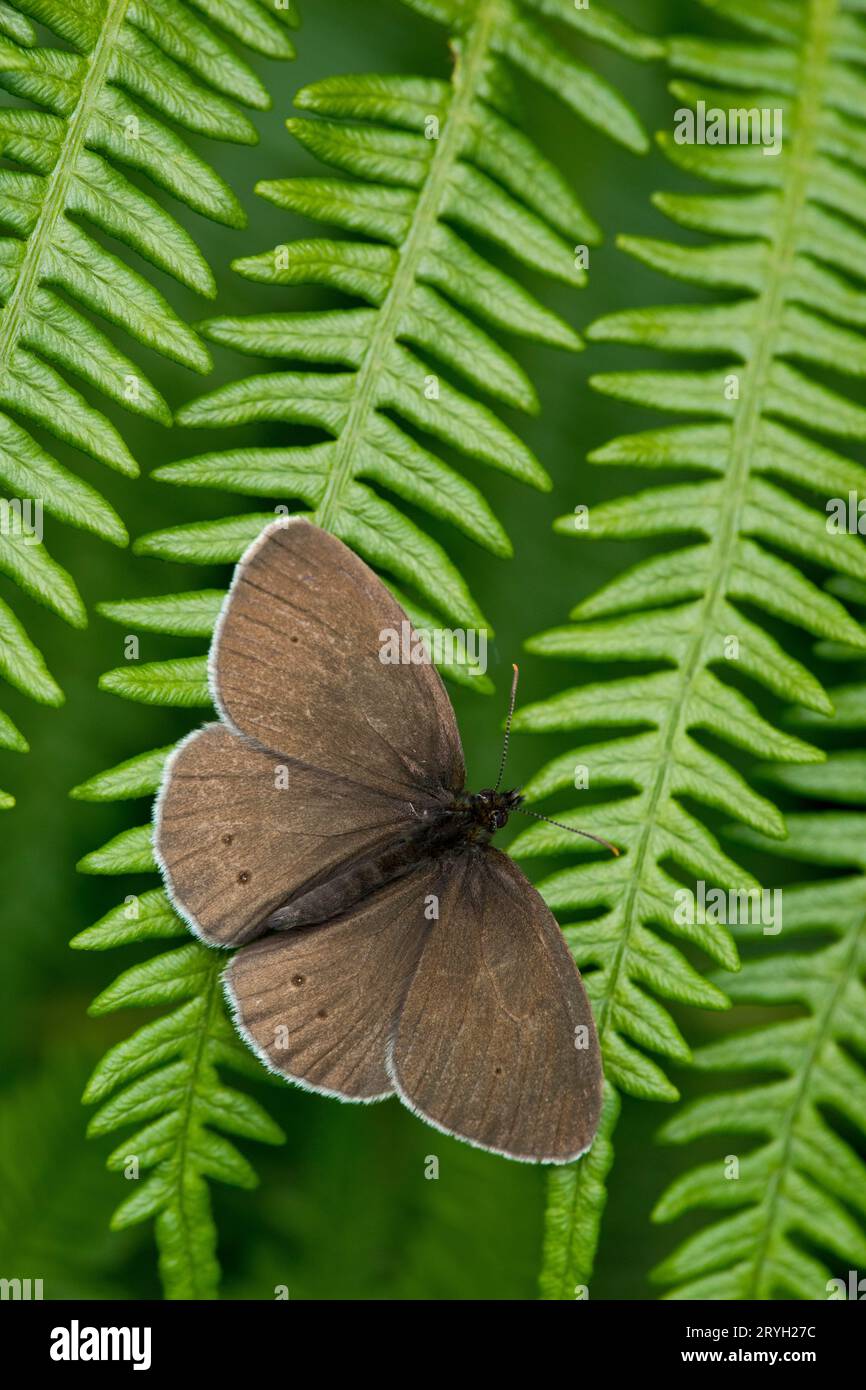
(799, 1195)
(105, 98)
(429, 159)
(789, 225)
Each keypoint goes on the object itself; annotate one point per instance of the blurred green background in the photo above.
(344, 1210)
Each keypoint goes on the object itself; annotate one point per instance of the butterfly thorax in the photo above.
(468, 822)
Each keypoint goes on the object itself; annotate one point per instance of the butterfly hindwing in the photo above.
(454, 987)
(318, 1004)
(496, 1042)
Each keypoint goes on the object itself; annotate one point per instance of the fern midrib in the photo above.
(448, 149)
(812, 75)
(814, 53)
(197, 1066)
(823, 1032)
(55, 202)
(568, 1245)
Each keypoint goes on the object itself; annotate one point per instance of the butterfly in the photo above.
(322, 830)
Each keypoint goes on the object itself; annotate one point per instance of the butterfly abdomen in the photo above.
(470, 820)
(340, 889)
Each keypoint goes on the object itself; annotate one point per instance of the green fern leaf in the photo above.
(802, 1189)
(518, 35)
(576, 1201)
(430, 161)
(165, 1079)
(425, 290)
(682, 609)
(16, 26)
(102, 102)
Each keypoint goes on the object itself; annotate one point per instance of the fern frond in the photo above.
(802, 1188)
(165, 1078)
(431, 160)
(697, 608)
(576, 1200)
(520, 35)
(101, 103)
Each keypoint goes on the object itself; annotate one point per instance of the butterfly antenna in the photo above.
(599, 840)
(507, 729)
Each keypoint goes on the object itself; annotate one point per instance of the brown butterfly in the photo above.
(323, 827)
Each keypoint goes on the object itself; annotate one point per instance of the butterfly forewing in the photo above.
(297, 664)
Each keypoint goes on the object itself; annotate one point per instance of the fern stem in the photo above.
(814, 59)
(577, 1197)
(56, 194)
(431, 202)
(746, 422)
(197, 1278)
(813, 62)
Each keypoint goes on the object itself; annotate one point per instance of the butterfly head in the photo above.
(491, 809)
